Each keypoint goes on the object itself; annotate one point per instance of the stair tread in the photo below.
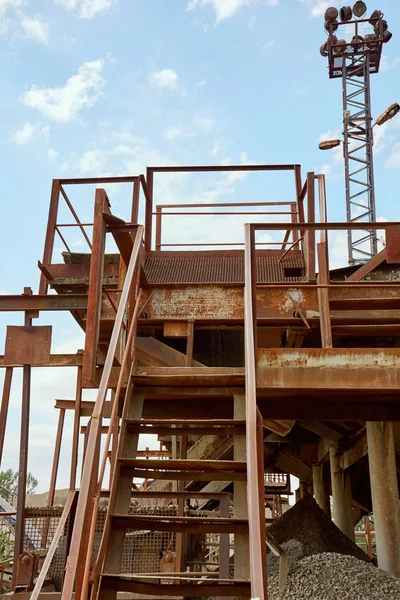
(179, 519)
(183, 464)
(208, 587)
(222, 422)
(179, 524)
(133, 576)
(187, 426)
(364, 303)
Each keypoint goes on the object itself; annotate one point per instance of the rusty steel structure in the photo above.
(248, 364)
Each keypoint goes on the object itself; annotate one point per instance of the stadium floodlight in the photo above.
(359, 9)
(345, 14)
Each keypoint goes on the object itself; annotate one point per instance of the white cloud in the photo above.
(92, 161)
(52, 155)
(224, 9)
(30, 131)
(201, 83)
(35, 28)
(87, 9)
(90, 8)
(166, 78)
(5, 7)
(318, 7)
(64, 103)
(69, 4)
(204, 124)
(172, 132)
(393, 162)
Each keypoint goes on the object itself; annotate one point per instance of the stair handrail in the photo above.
(54, 544)
(95, 428)
(255, 462)
(126, 364)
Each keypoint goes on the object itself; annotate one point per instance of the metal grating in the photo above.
(222, 269)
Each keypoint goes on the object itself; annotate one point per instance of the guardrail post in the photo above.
(310, 255)
(50, 232)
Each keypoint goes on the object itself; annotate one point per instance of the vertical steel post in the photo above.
(385, 495)
(321, 491)
(23, 461)
(75, 434)
(56, 457)
(341, 494)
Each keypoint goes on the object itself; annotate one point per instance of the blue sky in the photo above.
(105, 87)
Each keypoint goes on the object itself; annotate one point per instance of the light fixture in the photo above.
(357, 40)
(331, 14)
(329, 144)
(359, 9)
(340, 46)
(370, 40)
(324, 49)
(345, 13)
(331, 26)
(387, 36)
(389, 113)
(377, 14)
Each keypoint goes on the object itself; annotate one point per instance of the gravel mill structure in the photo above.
(305, 382)
(249, 360)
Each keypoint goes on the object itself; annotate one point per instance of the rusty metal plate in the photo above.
(392, 244)
(28, 345)
(194, 303)
(175, 329)
(284, 302)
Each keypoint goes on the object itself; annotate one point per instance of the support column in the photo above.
(242, 566)
(341, 494)
(385, 495)
(321, 489)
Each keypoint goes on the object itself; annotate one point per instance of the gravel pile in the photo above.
(330, 576)
(295, 552)
(307, 523)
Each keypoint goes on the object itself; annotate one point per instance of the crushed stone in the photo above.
(307, 523)
(331, 576)
(295, 552)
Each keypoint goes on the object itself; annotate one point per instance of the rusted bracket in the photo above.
(283, 560)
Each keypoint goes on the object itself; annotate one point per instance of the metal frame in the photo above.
(184, 378)
(354, 62)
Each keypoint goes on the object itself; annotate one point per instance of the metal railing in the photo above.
(151, 171)
(165, 210)
(55, 228)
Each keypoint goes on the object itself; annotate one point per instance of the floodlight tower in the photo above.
(353, 57)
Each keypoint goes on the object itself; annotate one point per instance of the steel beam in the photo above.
(16, 303)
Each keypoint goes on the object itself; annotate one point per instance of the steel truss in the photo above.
(358, 154)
